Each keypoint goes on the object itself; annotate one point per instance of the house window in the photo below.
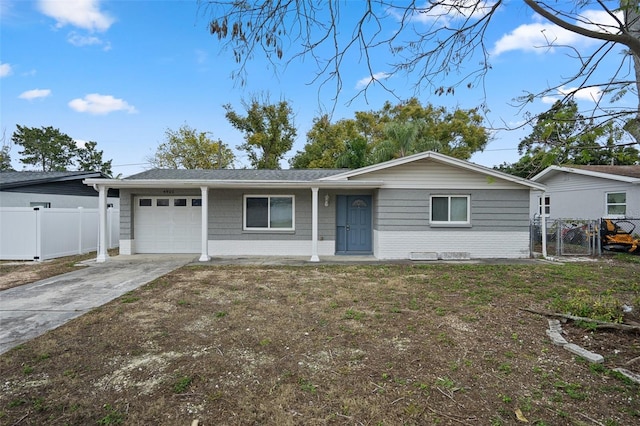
(450, 209)
(616, 203)
(162, 202)
(144, 202)
(43, 204)
(180, 202)
(273, 212)
(547, 205)
(196, 202)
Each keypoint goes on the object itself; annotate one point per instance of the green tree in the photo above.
(326, 142)
(5, 154)
(439, 45)
(89, 158)
(357, 154)
(562, 136)
(400, 139)
(46, 148)
(391, 132)
(268, 130)
(187, 148)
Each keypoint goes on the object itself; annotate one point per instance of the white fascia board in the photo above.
(441, 158)
(551, 170)
(176, 183)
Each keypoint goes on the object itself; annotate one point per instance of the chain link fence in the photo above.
(580, 237)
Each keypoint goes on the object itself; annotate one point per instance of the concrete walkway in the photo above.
(33, 309)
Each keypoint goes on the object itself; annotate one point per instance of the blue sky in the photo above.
(122, 72)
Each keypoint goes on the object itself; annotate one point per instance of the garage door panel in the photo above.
(171, 227)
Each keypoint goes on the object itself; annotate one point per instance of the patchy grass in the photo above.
(380, 345)
(16, 273)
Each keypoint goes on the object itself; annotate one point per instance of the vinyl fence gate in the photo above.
(35, 233)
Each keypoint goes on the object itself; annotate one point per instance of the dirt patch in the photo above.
(396, 344)
(13, 273)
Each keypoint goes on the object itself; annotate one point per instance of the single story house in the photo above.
(423, 206)
(51, 190)
(589, 192)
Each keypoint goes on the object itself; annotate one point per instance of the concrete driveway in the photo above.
(33, 309)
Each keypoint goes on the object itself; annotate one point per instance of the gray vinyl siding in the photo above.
(226, 216)
(409, 210)
(575, 196)
(430, 174)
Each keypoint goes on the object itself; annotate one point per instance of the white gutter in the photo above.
(219, 183)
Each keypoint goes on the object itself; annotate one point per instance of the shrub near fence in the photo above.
(33, 233)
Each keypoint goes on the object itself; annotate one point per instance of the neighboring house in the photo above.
(51, 190)
(589, 192)
(424, 206)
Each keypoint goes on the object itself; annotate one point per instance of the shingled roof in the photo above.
(301, 175)
(13, 179)
(629, 171)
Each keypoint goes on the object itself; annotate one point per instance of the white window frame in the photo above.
(450, 222)
(268, 228)
(607, 204)
(544, 202)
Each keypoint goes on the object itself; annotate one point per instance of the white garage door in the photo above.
(167, 224)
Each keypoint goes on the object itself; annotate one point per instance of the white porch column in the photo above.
(543, 223)
(314, 225)
(102, 233)
(204, 233)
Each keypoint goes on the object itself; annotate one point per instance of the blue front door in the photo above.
(353, 221)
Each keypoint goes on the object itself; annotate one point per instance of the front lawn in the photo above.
(443, 344)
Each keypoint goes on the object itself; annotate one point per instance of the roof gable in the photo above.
(629, 174)
(464, 170)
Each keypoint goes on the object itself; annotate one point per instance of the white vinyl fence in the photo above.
(36, 233)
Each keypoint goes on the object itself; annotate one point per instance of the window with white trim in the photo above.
(269, 212)
(616, 204)
(450, 209)
(547, 205)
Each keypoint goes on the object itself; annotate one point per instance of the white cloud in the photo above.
(35, 94)
(364, 82)
(538, 36)
(97, 104)
(454, 9)
(5, 70)
(589, 94)
(84, 14)
(80, 40)
(535, 38)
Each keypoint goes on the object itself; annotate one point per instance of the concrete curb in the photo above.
(554, 333)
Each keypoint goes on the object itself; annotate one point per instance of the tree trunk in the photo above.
(632, 22)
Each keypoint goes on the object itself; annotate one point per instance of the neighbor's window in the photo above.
(547, 205)
(450, 209)
(269, 212)
(617, 203)
(44, 204)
